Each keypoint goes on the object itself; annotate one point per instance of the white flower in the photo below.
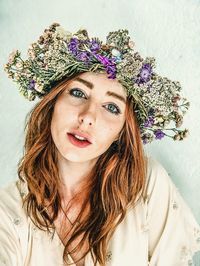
(38, 87)
(31, 53)
(116, 52)
(12, 56)
(16, 76)
(19, 65)
(158, 120)
(131, 44)
(66, 35)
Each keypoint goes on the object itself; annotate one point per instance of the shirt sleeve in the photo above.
(174, 234)
(10, 254)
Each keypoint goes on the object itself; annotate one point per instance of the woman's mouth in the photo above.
(78, 142)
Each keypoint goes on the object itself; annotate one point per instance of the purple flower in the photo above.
(144, 140)
(31, 85)
(73, 46)
(159, 134)
(149, 122)
(94, 46)
(111, 70)
(103, 59)
(145, 74)
(83, 56)
(109, 64)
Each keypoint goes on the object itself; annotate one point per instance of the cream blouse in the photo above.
(159, 231)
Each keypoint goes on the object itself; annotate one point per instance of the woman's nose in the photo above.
(88, 114)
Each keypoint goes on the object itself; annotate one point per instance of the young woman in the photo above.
(86, 193)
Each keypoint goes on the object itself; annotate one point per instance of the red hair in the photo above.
(116, 180)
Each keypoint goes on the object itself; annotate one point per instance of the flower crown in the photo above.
(59, 54)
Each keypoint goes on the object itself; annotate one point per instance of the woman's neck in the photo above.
(73, 176)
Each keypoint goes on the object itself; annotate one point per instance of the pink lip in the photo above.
(84, 135)
(76, 142)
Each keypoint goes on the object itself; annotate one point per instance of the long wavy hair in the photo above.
(116, 181)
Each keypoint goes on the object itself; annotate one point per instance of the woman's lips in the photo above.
(81, 134)
(76, 142)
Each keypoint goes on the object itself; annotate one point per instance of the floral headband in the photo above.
(58, 54)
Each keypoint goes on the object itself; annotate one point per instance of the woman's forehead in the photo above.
(101, 80)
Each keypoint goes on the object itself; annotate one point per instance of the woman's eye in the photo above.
(114, 109)
(76, 93)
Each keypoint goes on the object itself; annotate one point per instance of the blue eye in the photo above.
(115, 110)
(77, 95)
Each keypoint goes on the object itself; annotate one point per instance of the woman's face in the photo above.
(88, 106)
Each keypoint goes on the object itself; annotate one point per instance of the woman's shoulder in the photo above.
(155, 168)
(11, 203)
(16, 229)
(158, 181)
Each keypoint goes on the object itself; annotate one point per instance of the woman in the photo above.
(87, 194)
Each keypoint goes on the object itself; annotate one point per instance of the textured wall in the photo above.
(169, 30)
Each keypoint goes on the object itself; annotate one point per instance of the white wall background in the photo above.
(169, 30)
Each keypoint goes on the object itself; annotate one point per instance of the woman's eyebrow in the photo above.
(91, 86)
(85, 82)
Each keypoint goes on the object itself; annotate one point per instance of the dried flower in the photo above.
(94, 45)
(59, 53)
(73, 46)
(31, 85)
(159, 134)
(149, 122)
(145, 74)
